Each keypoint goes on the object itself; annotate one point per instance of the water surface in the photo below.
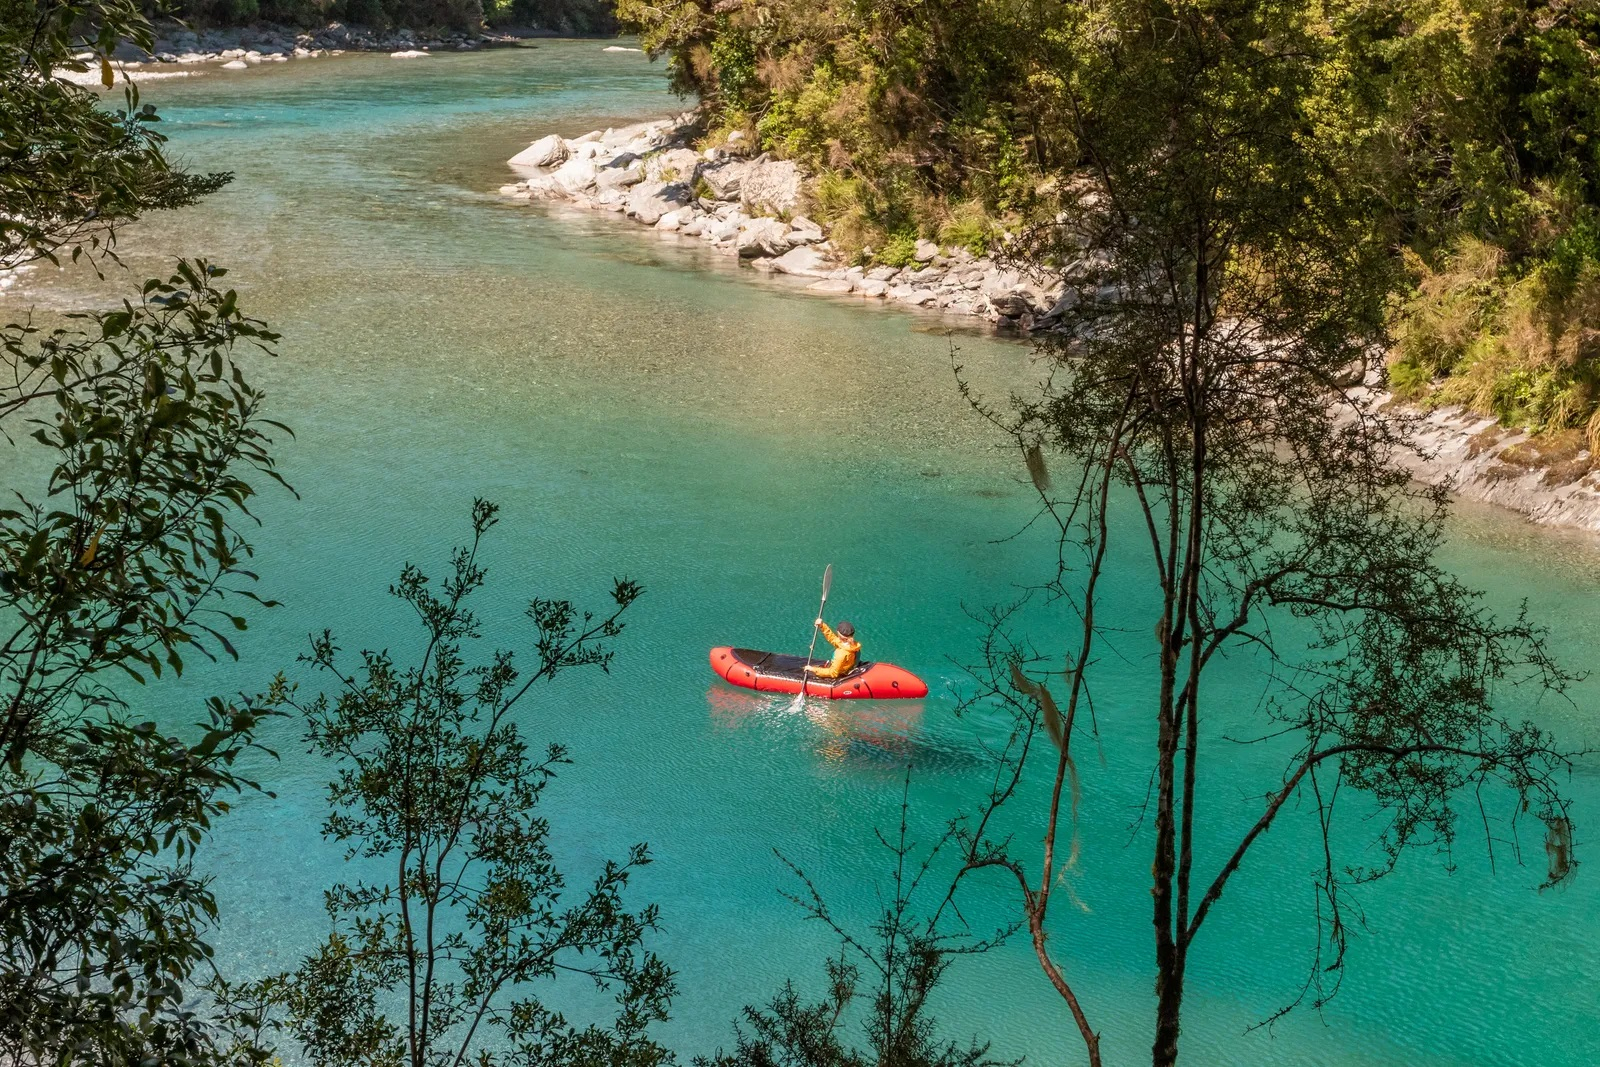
(638, 405)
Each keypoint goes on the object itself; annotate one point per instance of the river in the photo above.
(639, 405)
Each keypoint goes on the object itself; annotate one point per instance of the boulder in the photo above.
(833, 285)
(235, 64)
(545, 152)
(612, 177)
(694, 227)
(576, 174)
(763, 237)
(726, 229)
(802, 262)
(673, 219)
(1010, 305)
(650, 200)
(724, 179)
(925, 252)
(771, 185)
(675, 164)
(409, 53)
(883, 274)
(872, 287)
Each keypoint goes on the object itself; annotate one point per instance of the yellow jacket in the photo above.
(845, 651)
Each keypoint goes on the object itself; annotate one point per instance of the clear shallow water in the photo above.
(638, 409)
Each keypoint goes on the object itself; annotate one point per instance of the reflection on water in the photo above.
(849, 736)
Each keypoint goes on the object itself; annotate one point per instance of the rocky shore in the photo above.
(753, 207)
(241, 47)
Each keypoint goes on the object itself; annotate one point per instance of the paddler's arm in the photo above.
(827, 631)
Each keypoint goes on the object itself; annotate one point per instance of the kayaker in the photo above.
(845, 651)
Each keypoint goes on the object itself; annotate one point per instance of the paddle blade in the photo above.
(827, 581)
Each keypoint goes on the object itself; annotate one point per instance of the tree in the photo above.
(435, 782)
(113, 568)
(70, 171)
(1208, 394)
(904, 960)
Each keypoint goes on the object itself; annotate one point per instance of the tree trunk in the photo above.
(1169, 1000)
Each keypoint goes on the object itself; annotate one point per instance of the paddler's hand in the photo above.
(818, 624)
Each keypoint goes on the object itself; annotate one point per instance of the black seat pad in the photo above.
(778, 665)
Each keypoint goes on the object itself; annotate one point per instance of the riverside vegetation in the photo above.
(1248, 277)
(1473, 123)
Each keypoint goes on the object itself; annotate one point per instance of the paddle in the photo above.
(827, 583)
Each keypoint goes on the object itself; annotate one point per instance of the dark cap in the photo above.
(846, 630)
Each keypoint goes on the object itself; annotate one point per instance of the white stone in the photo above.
(925, 251)
(545, 152)
(870, 287)
(724, 179)
(575, 175)
(833, 285)
(763, 237)
(772, 186)
(409, 53)
(648, 201)
(235, 64)
(802, 262)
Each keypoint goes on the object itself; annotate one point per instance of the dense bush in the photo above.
(1475, 120)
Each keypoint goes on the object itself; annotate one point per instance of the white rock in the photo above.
(232, 53)
(833, 285)
(235, 64)
(883, 274)
(724, 179)
(611, 177)
(802, 262)
(410, 53)
(763, 237)
(772, 186)
(649, 201)
(870, 287)
(922, 296)
(675, 164)
(925, 251)
(575, 175)
(618, 48)
(694, 227)
(545, 152)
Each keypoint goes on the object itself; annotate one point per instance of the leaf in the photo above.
(1034, 457)
(107, 78)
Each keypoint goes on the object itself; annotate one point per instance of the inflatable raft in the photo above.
(773, 672)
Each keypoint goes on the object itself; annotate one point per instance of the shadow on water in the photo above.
(858, 736)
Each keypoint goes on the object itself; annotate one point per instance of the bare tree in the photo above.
(1206, 393)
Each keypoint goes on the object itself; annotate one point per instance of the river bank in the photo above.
(752, 207)
(238, 47)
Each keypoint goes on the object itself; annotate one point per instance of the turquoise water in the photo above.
(637, 407)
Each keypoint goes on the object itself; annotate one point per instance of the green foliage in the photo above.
(899, 250)
(1477, 119)
(1211, 410)
(434, 782)
(903, 959)
(69, 169)
(116, 566)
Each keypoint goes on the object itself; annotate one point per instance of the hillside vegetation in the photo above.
(1474, 123)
